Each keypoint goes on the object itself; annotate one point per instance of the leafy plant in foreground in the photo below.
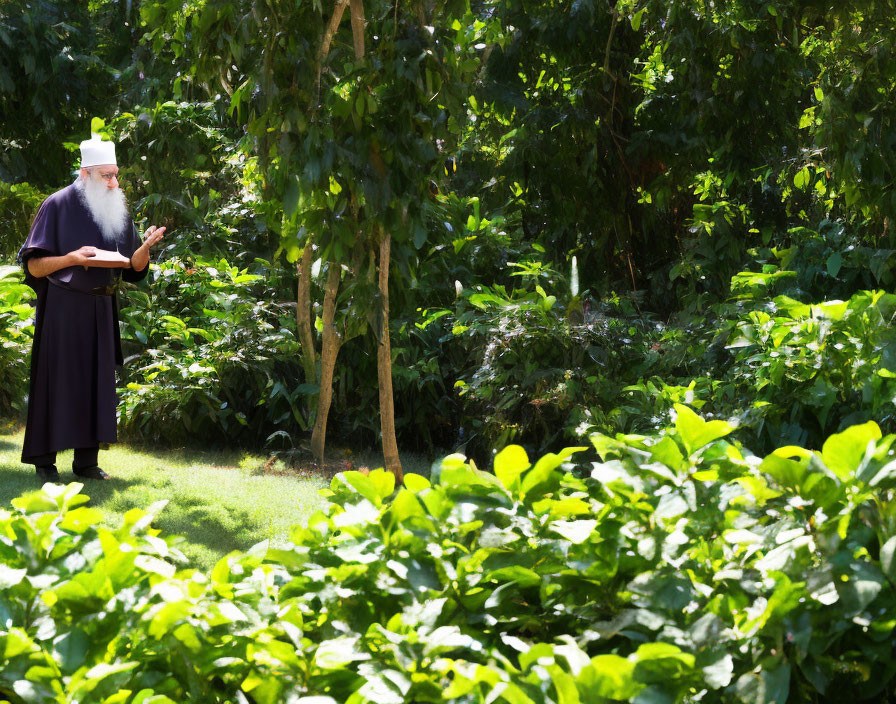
(678, 567)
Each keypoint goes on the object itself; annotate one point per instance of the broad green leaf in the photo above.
(71, 650)
(667, 452)
(843, 452)
(416, 482)
(785, 472)
(696, 432)
(718, 674)
(16, 642)
(510, 463)
(659, 662)
(610, 677)
(543, 477)
(576, 532)
(768, 686)
(383, 481)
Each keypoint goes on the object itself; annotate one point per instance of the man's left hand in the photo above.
(140, 258)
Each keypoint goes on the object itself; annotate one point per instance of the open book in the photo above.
(106, 257)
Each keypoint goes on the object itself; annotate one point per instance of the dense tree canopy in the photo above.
(552, 180)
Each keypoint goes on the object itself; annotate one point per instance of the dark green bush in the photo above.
(211, 355)
(19, 203)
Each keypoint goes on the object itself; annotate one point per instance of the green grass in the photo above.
(219, 501)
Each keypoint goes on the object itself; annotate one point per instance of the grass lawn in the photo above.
(219, 501)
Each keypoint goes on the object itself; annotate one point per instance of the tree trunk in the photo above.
(384, 369)
(329, 33)
(329, 350)
(358, 27)
(303, 316)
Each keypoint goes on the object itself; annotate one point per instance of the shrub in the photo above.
(677, 567)
(211, 355)
(19, 203)
(16, 334)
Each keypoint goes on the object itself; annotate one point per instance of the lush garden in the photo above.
(626, 265)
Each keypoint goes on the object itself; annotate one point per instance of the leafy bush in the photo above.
(16, 334)
(676, 568)
(535, 369)
(19, 203)
(810, 369)
(211, 356)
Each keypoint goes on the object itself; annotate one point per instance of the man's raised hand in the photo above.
(153, 235)
(140, 258)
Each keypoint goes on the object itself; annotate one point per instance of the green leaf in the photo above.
(718, 674)
(888, 559)
(543, 477)
(610, 677)
(696, 432)
(666, 451)
(833, 264)
(291, 196)
(416, 482)
(71, 650)
(768, 686)
(785, 472)
(843, 453)
(576, 532)
(660, 662)
(802, 178)
(510, 463)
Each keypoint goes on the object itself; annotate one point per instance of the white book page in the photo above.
(106, 255)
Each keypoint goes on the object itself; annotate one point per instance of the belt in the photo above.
(97, 291)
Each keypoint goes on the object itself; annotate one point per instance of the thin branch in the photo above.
(332, 26)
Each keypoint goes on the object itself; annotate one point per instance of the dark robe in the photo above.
(77, 344)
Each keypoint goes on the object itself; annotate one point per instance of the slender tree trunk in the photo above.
(329, 351)
(358, 26)
(329, 33)
(384, 369)
(303, 316)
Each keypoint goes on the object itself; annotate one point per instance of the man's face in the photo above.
(107, 173)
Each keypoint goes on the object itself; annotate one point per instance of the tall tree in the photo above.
(350, 123)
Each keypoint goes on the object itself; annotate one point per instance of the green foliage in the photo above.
(815, 368)
(674, 567)
(58, 64)
(16, 332)
(18, 206)
(211, 354)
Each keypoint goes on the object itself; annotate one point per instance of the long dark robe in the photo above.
(77, 344)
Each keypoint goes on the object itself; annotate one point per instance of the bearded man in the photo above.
(82, 244)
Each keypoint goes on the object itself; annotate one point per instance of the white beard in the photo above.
(107, 207)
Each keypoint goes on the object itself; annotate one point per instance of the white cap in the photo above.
(97, 152)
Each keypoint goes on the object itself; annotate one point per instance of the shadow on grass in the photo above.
(216, 456)
(202, 520)
(211, 527)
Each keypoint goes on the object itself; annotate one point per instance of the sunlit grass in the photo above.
(219, 501)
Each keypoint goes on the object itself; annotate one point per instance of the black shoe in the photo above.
(91, 473)
(48, 473)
